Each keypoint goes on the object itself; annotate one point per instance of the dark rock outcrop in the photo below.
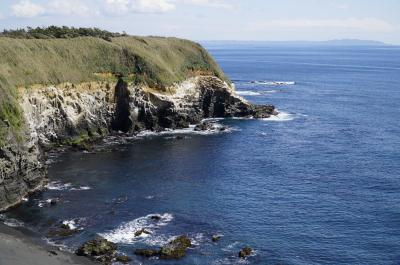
(21, 172)
(99, 249)
(175, 249)
(245, 252)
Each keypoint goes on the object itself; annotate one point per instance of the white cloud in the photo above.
(153, 6)
(209, 3)
(363, 24)
(139, 6)
(27, 9)
(68, 7)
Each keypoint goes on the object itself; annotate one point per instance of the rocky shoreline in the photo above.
(80, 115)
(18, 248)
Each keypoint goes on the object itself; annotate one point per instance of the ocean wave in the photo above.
(58, 185)
(125, 233)
(48, 202)
(11, 222)
(247, 93)
(274, 83)
(216, 129)
(271, 91)
(282, 116)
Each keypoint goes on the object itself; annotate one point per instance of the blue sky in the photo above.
(217, 19)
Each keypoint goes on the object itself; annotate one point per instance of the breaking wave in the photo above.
(274, 83)
(58, 185)
(247, 93)
(125, 233)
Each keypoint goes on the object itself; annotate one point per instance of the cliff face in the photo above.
(74, 114)
(168, 83)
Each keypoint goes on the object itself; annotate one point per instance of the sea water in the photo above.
(317, 184)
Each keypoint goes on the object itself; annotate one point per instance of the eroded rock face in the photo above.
(75, 115)
(21, 172)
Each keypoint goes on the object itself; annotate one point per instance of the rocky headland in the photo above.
(73, 92)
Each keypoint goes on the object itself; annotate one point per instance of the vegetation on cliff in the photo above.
(54, 32)
(155, 61)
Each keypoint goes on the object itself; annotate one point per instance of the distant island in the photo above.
(339, 42)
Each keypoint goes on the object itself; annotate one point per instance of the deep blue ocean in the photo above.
(319, 184)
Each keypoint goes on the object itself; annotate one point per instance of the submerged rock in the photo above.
(97, 248)
(245, 252)
(147, 252)
(123, 259)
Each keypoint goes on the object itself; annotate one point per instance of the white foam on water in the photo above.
(71, 224)
(197, 239)
(58, 185)
(82, 188)
(271, 91)
(275, 83)
(282, 116)
(247, 93)
(216, 129)
(11, 222)
(125, 233)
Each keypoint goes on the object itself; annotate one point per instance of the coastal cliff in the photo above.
(76, 91)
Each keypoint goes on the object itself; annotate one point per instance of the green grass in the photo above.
(155, 61)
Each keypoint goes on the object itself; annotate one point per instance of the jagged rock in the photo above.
(123, 259)
(141, 232)
(175, 249)
(262, 112)
(97, 247)
(245, 252)
(215, 238)
(204, 126)
(155, 218)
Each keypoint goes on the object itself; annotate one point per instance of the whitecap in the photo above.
(11, 221)
(247, 93)
(71, 224)
(82, 188)
(275, 83)
(58, 185)
(216, 129)
(282, 116)
(125, 233)
(271, 91)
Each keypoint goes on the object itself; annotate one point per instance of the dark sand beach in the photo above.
(16, 248)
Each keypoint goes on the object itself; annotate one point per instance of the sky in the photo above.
(261, 20)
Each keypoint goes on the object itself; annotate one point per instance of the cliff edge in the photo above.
(73, 91)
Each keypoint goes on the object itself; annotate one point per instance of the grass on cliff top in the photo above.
(155, 61)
